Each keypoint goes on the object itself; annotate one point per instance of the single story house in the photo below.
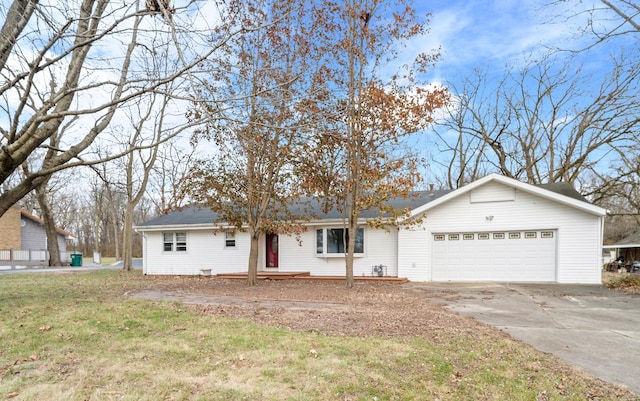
(494, 229)
(628, 248)
(23, 239)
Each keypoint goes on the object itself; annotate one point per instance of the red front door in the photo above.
(272, 250)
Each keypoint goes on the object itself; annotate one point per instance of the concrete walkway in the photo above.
(588, 326)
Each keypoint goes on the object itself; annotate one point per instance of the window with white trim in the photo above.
(230, 239)
(333, 241)
(319, 241)
(167, 241)
(174, 242)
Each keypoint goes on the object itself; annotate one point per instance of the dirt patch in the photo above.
(367, 309)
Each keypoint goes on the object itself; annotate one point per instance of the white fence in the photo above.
(29, 257)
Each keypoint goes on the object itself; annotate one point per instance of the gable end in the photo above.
(492, 193)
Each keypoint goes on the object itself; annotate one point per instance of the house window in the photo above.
(181, 242)
(167, 240)
(334, 240)
(229, 239)
(319, 241)
(177, 241)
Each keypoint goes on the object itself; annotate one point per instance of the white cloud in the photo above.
(491, 32)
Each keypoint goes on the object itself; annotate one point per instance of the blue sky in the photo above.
(495, 35)
(492, 33)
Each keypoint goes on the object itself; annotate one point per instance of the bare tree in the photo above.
(150, 131)
(466, 160)
(543, 123)
(378, 106)
(270, 79)
(604, 21)
(56, 65)
(171, 168)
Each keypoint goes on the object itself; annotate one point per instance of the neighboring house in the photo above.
(494, 229)
(23, 240)
(628, 248)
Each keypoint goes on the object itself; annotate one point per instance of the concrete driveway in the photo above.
(585, 325)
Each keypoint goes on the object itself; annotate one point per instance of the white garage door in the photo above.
(495, 256)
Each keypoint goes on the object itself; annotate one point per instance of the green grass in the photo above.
(107, 261)
(79, 337)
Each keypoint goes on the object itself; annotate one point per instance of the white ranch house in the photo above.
(494, 229)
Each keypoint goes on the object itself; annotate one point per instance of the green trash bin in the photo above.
(76, 259)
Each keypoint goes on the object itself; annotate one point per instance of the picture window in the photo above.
(335, 240)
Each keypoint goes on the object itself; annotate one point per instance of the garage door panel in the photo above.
(506, 256)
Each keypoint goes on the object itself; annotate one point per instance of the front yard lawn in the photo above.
(83, 336)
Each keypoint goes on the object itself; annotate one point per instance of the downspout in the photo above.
(601, 242)
(144, 250)
(144, 253)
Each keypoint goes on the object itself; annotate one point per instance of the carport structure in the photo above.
(628, 248)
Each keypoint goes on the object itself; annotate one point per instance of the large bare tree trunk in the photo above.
(49, 225)
(59, 42)
(17, 18)
(351, 247)
(127, 238)
(252, 269)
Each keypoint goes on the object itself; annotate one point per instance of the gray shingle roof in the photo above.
(563, 188)
(188, 215)
(633, 239)
(203, 215)
(195, 214)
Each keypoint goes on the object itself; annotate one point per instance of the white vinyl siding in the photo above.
(576, 233)
(469, 220)
(205, 250)
(380, 248)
